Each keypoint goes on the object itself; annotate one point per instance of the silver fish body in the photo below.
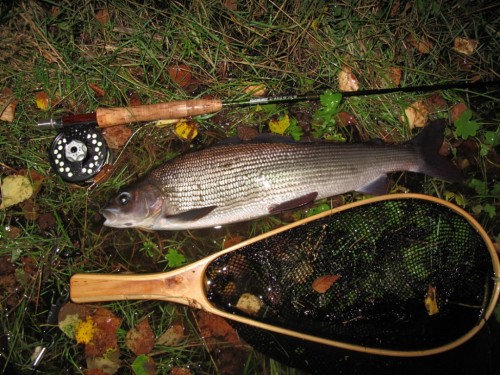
(238, 182)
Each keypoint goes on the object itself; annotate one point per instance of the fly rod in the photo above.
(106, 117)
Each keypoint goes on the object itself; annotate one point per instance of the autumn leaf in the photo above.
(15, 189)
(140, 339)
(422, 45)
(42, 100)
(323, 283)
(430, 301)
(99, 91)
(172, 336)
(280, 125)
(416, 114)
(465, 46)
(117, 136)
(347, 80)
(186, 130)
(7, 105)
(181, 75)
(102, 16)
(456, 111)
(249, 304)
(255, 90)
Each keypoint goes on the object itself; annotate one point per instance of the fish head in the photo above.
(135, 206)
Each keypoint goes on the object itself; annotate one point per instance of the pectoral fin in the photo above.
(377, 187)
(192, 215)
(294, 203)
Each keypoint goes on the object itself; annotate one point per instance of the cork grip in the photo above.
(162, 111)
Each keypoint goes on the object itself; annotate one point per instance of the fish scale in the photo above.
(237, 182)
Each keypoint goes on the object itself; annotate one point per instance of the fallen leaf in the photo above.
(140, 339)
(280, 125)
(464, 45)
(345, 119)
(395, 8)
(104, 339)
(347, 80)
(144, 365)
(231, 241)
(246, 134)
(456, 111)
(7, 105)
(98, 91)
(15, 189)
(117, 136)
(323, 283)
(249, 304)
(423, 45)
(102, 16)
(255, 90)
(108, 363)
(84, 331)
(231, 5)
(30, 209)
(180, 371)
(416, 114)
(435, 102)
(186, 130)
(172, 336)
(181, 75)
(70, 315)
(430, 301)
(134, 99)
(42, 100)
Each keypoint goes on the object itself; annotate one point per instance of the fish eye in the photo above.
(124, 198)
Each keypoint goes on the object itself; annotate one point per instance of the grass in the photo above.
(60, 47)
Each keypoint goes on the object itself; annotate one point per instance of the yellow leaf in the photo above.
(255, 90)
(347, 80)
(186, 130)
(279, 126)
(42, 100)
(416, 114)
(15, 189)
(464, 45)
(430, 301)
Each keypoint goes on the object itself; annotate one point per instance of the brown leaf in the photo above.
(345, 119)
(423, 45)
(430, 301)
(7, 105)
(246, 134)
(102, 16)
(395, 75)
(180, 371)
(172, 336)
(435, 102)
(231, 5)
(104, 339)
(99, 91)
(140, 339)
(134, 99)
(323, 283)
(181, 75)
(255, 90)
(395, 8)
(30, 209)
(231, 241)
(416, 114)
(464, 45)
(456, 111)
(117, 136)
(347, 80)
(46, 221)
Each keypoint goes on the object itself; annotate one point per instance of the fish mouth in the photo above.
(112, 220)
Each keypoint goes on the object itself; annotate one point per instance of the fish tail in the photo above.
(428, 143)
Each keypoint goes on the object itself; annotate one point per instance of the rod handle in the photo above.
(161, 111)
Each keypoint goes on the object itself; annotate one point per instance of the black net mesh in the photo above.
(380, 260)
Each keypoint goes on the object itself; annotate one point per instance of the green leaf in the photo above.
(330, 100)
(492, 138)
(318, 209)
(479, 186)
(466, 128)
(141, 365)
(295, 130)
(495, 192)
(490, 210)
(174, 258)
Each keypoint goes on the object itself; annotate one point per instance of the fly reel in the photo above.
(78, 153)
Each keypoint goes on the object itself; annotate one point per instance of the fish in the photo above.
(235, 182)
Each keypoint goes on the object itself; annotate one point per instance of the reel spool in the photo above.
(78, 153)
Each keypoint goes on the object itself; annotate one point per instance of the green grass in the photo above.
(290, 47)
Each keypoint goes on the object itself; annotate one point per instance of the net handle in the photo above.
(186, 285)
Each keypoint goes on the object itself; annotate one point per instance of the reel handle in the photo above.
(161, 111)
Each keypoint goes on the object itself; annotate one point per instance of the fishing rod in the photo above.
(106, 117)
